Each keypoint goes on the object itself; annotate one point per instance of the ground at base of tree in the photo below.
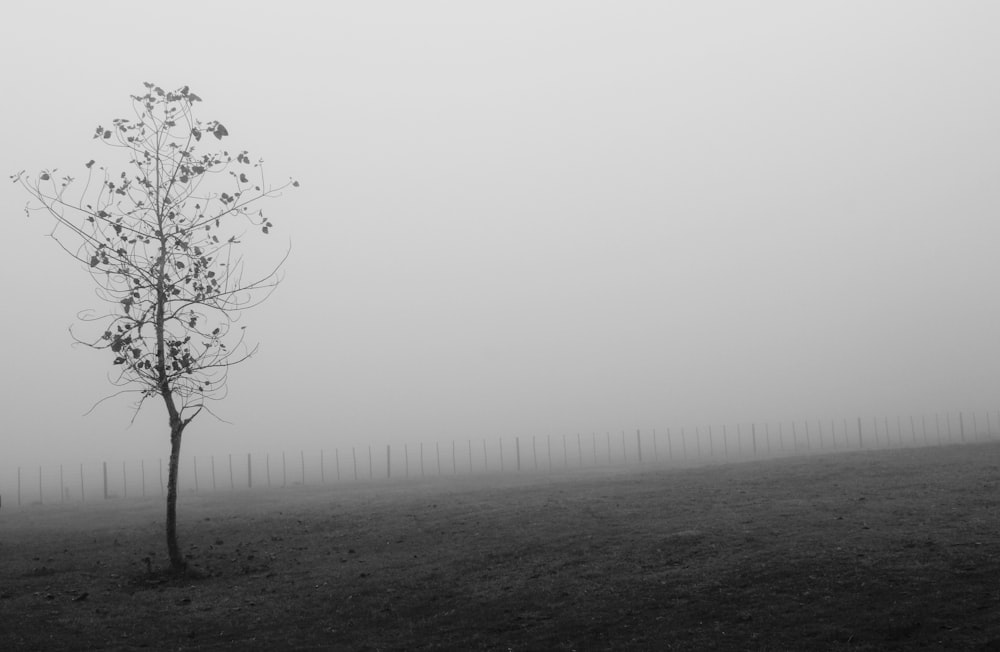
(876, 550)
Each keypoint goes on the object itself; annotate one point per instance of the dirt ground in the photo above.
(861, 551)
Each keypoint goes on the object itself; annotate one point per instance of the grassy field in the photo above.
(860, 551)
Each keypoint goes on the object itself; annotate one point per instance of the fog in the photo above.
(538, 218)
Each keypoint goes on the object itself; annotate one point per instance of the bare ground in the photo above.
(861, 551)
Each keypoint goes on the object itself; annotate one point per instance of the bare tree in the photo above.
(161, 241)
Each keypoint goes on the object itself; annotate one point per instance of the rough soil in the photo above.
(861, 551)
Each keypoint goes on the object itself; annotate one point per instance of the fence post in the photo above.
(454, 459)
(322, 471)
(697, 442)
(961, 426)
(232, 484)
(486, 464)
(753, 436)
(250, 473)
(142, 469)
(284, 471)
(517, 452)
(211, 463)
(388, 461)
(196, 473)
(406, 459)
(579, 449)
(302, 458)
(83, 498)
(500, 439)
(354, 455)
(336, 459)
(624, 451)
(861, 443)
(40, 501)
(638, 443)
(161, 477)
(267, 468)
(105, 464)
(534, 452)
(437, 450)
(124, 482)
(548, 439)
(62, 489)
(18, 486)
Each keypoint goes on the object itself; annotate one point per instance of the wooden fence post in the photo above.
(302, 458)
(211, 463)
(638, 444)
(83, 498)
(195, 458)
(105, 464)
(250, 473)
(388, 461)
(62, 489)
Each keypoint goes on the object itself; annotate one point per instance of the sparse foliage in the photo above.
(161, 242)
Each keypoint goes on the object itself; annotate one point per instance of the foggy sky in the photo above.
(539, 218)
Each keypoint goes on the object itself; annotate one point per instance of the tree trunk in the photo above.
(177, 563)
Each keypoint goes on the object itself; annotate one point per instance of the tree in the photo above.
(161, 241)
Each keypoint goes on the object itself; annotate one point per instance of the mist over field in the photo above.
(539, 219)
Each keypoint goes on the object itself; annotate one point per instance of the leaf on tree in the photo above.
(90, 164)
(93, 261)
(196, 133)
(220, 131)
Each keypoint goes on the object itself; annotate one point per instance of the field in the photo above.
(859, 551)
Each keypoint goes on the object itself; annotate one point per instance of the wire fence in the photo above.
(22, 486)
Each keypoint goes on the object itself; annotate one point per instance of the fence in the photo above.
(547, 454)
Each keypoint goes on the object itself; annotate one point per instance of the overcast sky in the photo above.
(539, 218)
